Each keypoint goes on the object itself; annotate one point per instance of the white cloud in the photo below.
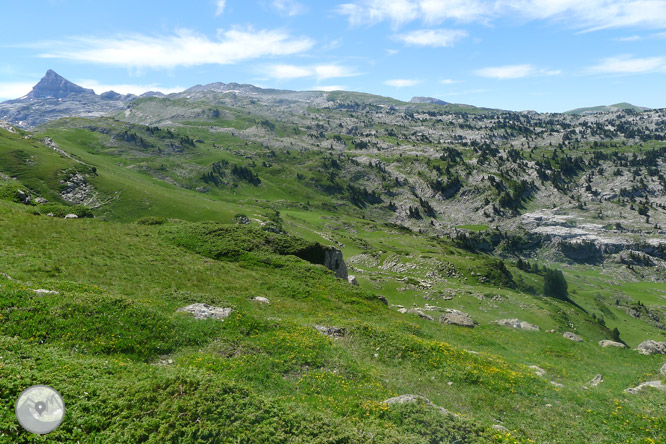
(369, 12)
(449, 81)
(220, 7)
(319, 71)
(514, 72)
(289, 8)
(629, 65)
(402, 83)
(588, 15)
(631, 38)
(126, 88)
(184, 48)
(432, 37)
(329, 88)
(288, 72)
(14, 90)
(333, 71)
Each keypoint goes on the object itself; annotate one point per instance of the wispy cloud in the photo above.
(399, 12)
(220, 4)
(514, 72)
(626, 64)
(432, 37)
(588, 15)
(184, 48)
(321, 72)
(449, 81)
(14, 90)
(402, 83)
(289, 8)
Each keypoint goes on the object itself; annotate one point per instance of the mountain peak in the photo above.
(53, 85)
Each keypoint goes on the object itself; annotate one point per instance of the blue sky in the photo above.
(545, 55)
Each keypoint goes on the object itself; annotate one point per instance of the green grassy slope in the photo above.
(265, 374)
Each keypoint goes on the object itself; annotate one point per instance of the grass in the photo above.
(264, 374)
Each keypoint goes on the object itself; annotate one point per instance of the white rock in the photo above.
(538, 370)
(654, 384)
(205, 311)
(572, 336)
(261, 299)
(651, 347)
(42, 292)
(517, 323)
(455, 317)
(352, 280)
(598, 379)
(71, 216)
(608, 343)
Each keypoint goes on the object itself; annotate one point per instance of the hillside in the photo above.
(624, 106)
(225, 193)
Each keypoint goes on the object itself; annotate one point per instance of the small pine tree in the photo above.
(615, 335)
(555, 285)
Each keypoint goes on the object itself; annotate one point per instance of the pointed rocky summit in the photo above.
(55, 86)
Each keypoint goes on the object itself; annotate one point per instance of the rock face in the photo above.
(654, 384)
(572, 336)
(517, 323)
(7, 127)
(608, 343)
(333, 261)
(76, 190)
(54, 86)
(455, 317)
(205, 311)
(651, 347)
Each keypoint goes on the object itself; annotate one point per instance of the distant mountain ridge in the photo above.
(428, 100)
(606, 109)
(55, 97)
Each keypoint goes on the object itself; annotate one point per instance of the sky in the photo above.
(542, 55)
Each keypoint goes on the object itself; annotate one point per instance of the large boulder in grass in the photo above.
(517, 323)
(650, 384)
(608, 343)
(572, 336)
(651, 347)
(409, 399)
(455, 317)
(205, 311)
